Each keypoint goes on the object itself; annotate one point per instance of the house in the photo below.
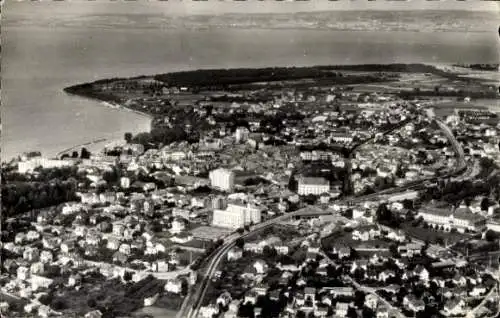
(234, 254)
(341, 309)
(371, 301)
(459, 280)
(359, 264)
(46, 256)
(260, 267)
(422, 273)
(160, 266)
(410, 249)
(310, 294)
(386, 275)
(477, 291)
(224, 299)
(37, 268)
(209, 311)
(251, 297)
(113, 243)
(341, 291)
(150, 301)
(93, 238)
(125, 249)
(68, 246)
(44, 311)
(20, 238)
(414, 304)
(93, 314)
(40, 282)
(282, 249)
(454, 307)
(321, 311)
(31, 254)
(32, 236)
(382, 312)
(174, 286)
(261, 289)
(119, 257)
(74, 280)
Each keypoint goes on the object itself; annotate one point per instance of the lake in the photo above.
(39, 61)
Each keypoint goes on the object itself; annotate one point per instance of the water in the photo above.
(39, 61)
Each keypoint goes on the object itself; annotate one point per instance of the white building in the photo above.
(241, 134)
(33, 163)
(237, 215)
(461, 219)
(222, 179)
(315, 186)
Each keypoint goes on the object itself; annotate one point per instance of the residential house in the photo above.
(68, 246)
(209, 311)
(414, 304)
(371, 301)
(174, 286)
(224, 299)
(20, 238)
(31, 254)
(46, 256)
(341, 309)
(454, 307)
(260, 267)
(234, 254)
(422, 273)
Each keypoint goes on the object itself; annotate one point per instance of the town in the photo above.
(354, 191)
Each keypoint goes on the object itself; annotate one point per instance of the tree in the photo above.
(91, 302)
(351, 313)
(84, 154)
(240, 230)
(128, 137)
(240, 242)
(485, 204)
(491, 236)
(359, 299)
(127, 276)
(74, 154)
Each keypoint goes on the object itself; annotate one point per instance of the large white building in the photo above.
(315, 186)
(222, 179)
(31, 164)
(461, 219)
(237, 215)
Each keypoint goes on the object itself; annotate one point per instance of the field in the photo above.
(432, 235)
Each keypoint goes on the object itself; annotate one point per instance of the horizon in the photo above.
(191, 8)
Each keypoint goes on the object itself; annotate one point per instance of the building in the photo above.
(461, 219)
(33, 163)
(237, 215)
(241, 134)
(222, 179)
(311, 185)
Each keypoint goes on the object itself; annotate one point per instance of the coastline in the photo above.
(99, 143)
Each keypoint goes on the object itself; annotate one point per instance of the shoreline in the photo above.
(108, 100)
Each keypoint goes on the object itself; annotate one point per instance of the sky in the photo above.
(189, 7)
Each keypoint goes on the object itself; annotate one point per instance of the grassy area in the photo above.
(345, 238)
(432, 235)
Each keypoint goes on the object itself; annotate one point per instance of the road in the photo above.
(192, 311)
(392, 310)
(472, 313)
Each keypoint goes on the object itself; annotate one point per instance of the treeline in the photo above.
(51, 187)
(460, 93)
(212, 77)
